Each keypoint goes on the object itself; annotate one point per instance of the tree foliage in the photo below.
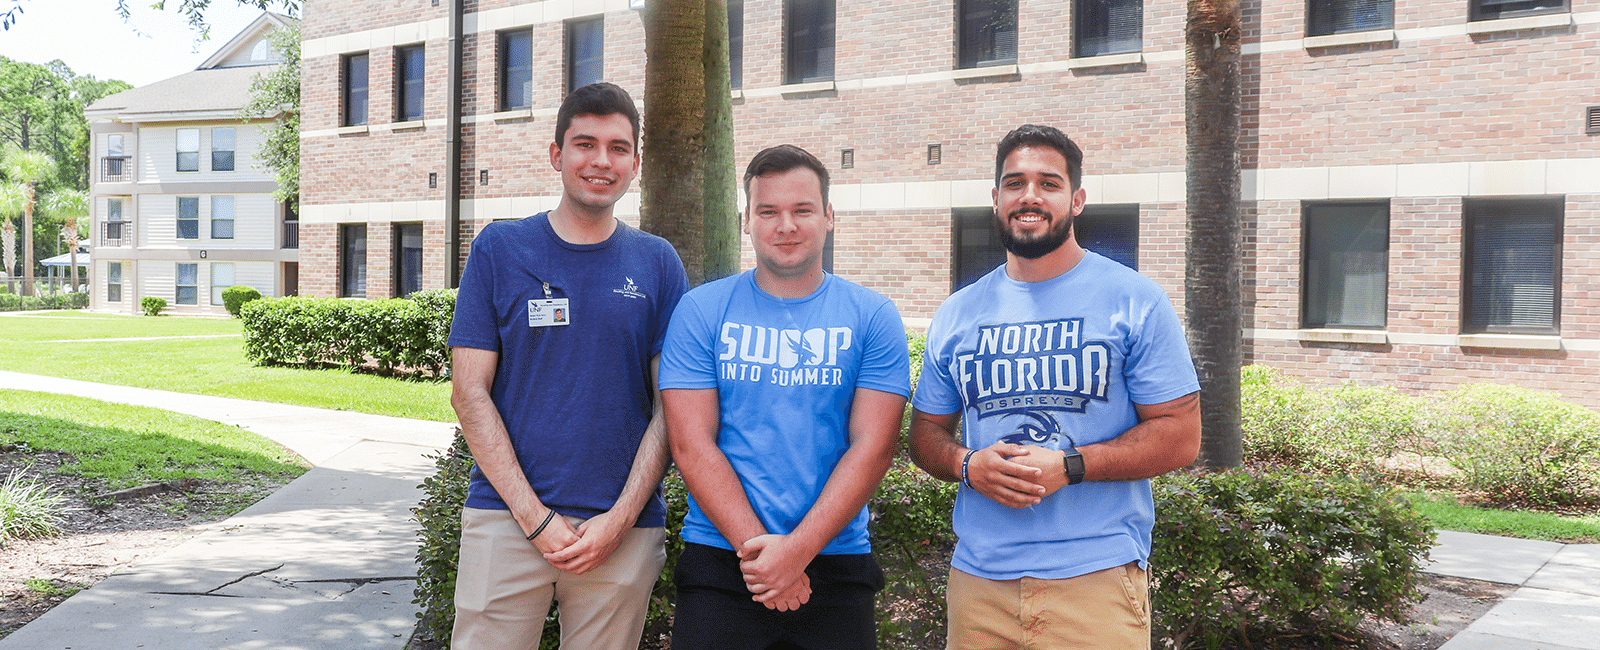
(195, 10)
(276, 94)
(41, 109)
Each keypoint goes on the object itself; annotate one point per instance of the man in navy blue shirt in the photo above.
(558, 324)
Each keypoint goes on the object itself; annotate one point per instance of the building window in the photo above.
(353, 261)
(407, 258)
(355, 89)
(114, 282)
(188, 150)
(221, 279)
(222, 149)
(408, 79)
(516, 69)
(114, 222)
(188, 217)
(1107, 27)
(736, 43)
(986, 33)
(808, 40)
(186, 290)
(977, 247)
(1110, 230)
(586, 52)
(115, 164)
(1324, 17)
(222, 217)
(1511, 267)
(1344, 277)
(1492, 9)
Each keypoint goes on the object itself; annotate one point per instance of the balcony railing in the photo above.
(114, 169)
(291, 234)
(113, 234)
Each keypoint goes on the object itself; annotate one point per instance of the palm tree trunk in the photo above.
(721, 227)
(673, 180)
(1212, 294)
(27, 241)
(72, 250)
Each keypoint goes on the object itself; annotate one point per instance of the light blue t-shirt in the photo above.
(1056, 363)
(785, 372)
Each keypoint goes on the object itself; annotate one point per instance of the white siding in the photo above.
(158, 153)
(255, 222)
(156, 279)
(158, 221)
(263, 276)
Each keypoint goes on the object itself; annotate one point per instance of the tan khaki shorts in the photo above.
(1104, 609)
(504, 588)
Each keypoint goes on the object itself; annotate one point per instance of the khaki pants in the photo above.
(504, 588)
(1104, 609)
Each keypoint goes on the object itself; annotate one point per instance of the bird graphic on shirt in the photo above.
(1038, 429)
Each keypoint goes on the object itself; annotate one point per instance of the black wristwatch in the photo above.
(1073, 464)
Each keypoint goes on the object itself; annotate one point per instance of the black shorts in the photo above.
(715, 610)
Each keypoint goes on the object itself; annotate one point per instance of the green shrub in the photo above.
(912, 540)
(28, 510)
(152, 305)
(69, 300)
(1518, 446)
(439, 539)
(395, 335)
(1339, 430)
(1239, 551)
(236, 296)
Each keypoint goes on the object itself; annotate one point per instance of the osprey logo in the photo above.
(1039, 429)
(629, 289)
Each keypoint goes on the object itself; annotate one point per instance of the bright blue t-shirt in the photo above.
(785, 372)
(1056, 363)
(575, 398)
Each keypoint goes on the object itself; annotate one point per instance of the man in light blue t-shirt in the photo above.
(783, 389)
(1076, 386)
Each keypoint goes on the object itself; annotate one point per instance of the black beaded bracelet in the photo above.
(540, 529)
(964, 461)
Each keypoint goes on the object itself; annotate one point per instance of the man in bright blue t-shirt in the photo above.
(558, 324)
(1076, 386)
(783, 389)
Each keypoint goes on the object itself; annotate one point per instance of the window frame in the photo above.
(217, 287)
(1080, 26)
(575, 31)
(1476, 11)
(1521, 213)
(178, 286)
(232, 220)
(178, 145)
(965, 51)
(355, 98)
(792, 38)
(409, 89)
(352, 267)
(503, 43)
(1308, 292)
(113, 281)
(400, 265)
(227, 161)
(195, 219)
(1317, 24)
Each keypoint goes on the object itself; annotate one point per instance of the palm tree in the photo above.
(71, 205)
(11, 196)
(1212, 294)
(27, 168)
(687, 185)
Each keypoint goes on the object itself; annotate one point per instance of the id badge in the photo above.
(549, 312)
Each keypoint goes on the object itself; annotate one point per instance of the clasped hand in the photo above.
(775, 572)
(1016, 475)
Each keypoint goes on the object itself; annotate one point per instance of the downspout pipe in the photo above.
(452, 145)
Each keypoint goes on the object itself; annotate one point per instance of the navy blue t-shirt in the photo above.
(575, 398)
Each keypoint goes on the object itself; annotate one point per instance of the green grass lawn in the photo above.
(1448, 513)
(203, 366)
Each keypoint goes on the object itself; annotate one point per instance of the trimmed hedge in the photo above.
(395, 335)
(236, 296)
(152, 305)
(17, 302)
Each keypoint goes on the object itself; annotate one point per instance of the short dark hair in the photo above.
(782, 158)
(600, 99)
(1033, 135)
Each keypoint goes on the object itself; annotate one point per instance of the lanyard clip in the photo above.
(547, 293)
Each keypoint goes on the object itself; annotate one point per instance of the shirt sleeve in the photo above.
(885, 360)
(474, 324)
(937, 392)
(1158, 367)
(688, 358)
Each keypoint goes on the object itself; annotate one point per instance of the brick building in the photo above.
(1421, 177)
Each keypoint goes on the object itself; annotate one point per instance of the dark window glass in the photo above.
(1107, 27)
(407, 258)
(1339, 16)
(353, 261)
(1345, 266)
(586, 52)
(736, 43)
(222, 149)
(987, 32)
(808, 40)
(408, 67)
(188, 217)
(516, 70)
(355, 89)
(977, 247)
(1110, 230)
(187, 285)
(1492, 9)
(1512, 267)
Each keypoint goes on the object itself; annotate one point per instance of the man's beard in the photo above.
(1038, 246)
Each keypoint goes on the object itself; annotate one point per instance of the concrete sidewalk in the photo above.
(325, 562)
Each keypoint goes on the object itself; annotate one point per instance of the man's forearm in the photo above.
(692, 418)
(1166, 438)
(649, 465)
(491, 448)
(934, 447)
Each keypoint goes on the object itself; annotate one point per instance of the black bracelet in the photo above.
(964, 460)
(540, 529)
